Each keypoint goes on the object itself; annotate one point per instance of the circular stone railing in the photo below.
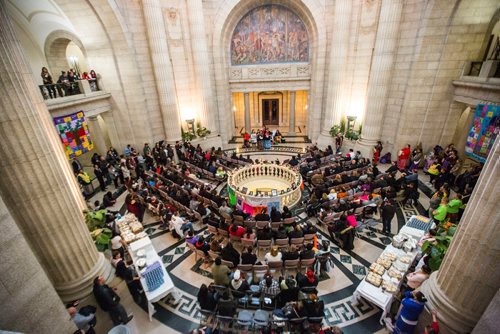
(265, 171)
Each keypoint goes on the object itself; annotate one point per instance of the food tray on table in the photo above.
(389, 286)
(374, 279)
(393, 273)
(384, 262)
(377, 269)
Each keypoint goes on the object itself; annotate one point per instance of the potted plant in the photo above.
(436, 250)
(187, 136)
(202, 131)
(334, 130)
(342, 125)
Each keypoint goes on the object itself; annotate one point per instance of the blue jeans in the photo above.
(187, 226)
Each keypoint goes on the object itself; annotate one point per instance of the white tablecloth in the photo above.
(376, 295)
(151, 257)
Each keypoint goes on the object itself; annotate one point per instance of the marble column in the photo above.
(469, 276)
(30, 303)
(338, 63)
(164, 74)
(202, 64)
(291, 122)
(96, 135)
(248, 124)
(37, 183)
(380, 72)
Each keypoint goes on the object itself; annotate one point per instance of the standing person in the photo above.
(83, 322)
(246, 139)
(64, 83)
(339, 139)
(86, 182)
(76, 165)
(453, 208)
(109, 301)
(377, 150)
(403, 156)
(146, 149)
(433, 328)
(48, 82)
(387, 213)
(100, 178)
(411, 307)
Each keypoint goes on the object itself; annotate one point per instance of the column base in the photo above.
(212, 140)
(452, 318)
(324, 139)
(365, 146)
(82, 287)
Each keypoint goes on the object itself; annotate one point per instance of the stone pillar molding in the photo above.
(164, 74)
(469, 276)
(248, 125)
(291, 123)
(96, 135)
(338, 63)
(380, 72)
(37, 183)
(199, 47)
(31, 305)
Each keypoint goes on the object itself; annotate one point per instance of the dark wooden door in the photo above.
(270, 111)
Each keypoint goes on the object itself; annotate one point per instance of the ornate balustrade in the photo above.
(266, 171)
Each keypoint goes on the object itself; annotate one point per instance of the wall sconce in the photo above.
(73, 60)
(190, 125)
(351, 121)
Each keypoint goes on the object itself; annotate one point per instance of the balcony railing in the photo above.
(59, 90)
(488, 70)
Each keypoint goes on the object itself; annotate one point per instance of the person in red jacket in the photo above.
(246, 139)
(236, 230)
(434, 327)
(403, 157)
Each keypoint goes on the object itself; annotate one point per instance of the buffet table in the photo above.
(143, 249)
(378, 294)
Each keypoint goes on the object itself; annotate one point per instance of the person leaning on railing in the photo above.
(48, 82)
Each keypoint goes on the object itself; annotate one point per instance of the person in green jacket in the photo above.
(440, 213)
(453, 208)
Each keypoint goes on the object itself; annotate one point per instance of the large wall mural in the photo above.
(269, 34)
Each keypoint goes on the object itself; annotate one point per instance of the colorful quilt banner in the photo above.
(74, 134)
(485, 128)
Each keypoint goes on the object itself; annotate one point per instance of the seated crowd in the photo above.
(346, 192)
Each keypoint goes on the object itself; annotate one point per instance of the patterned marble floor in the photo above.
(335, 290)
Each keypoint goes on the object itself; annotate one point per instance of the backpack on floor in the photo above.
(386, 158)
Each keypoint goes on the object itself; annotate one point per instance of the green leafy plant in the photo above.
(436, 250)
(352, 135)
(335, 130)
(342, 125)
(187, 136)
(94, 219)
(202, 131)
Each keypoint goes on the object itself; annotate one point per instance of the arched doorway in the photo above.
(252, 57)
(65, 51)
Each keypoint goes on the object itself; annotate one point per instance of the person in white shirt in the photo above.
(274, 255)
(180, 225)
(118, 244)
(332, 195)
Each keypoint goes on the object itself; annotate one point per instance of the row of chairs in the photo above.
(255, 269)
(257, 320)
(262, 244)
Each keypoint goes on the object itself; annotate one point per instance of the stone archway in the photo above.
(55, 47)
(229, 14)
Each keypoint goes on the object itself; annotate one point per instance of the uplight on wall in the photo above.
(73, 61)
(190, 125)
